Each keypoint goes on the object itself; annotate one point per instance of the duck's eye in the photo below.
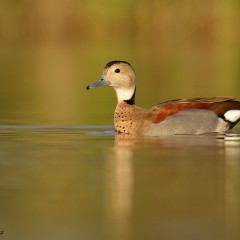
(117, 70)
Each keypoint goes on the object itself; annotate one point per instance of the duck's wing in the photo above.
(217, 105)
(197, 100)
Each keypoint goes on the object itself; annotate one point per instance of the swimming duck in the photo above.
(180, 116)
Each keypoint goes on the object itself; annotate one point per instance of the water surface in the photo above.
(88, 183)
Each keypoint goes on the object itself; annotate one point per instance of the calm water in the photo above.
(88, 183)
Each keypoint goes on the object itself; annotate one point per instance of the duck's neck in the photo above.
(126, 95)
(131, 101)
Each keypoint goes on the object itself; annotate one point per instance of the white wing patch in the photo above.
(232, 115)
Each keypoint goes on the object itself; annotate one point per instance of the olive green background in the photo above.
(50, 51)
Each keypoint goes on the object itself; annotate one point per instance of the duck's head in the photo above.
(121, 76)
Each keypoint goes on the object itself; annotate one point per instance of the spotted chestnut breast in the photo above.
(123, 120)
(129, 118)
(181, 116)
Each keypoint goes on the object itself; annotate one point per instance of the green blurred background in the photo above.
(51, 49)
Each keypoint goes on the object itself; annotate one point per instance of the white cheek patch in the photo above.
(232, 115)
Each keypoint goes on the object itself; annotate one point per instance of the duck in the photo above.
(192, 116)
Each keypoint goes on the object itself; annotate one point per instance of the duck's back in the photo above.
(194, 116)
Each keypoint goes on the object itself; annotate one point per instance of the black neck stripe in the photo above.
(130, 101)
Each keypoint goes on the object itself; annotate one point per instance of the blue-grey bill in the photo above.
(100, 83)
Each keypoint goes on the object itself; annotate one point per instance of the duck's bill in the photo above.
(100, 83)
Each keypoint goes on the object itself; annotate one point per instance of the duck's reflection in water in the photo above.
(176, 142)
(232, 188)
(121, 184)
